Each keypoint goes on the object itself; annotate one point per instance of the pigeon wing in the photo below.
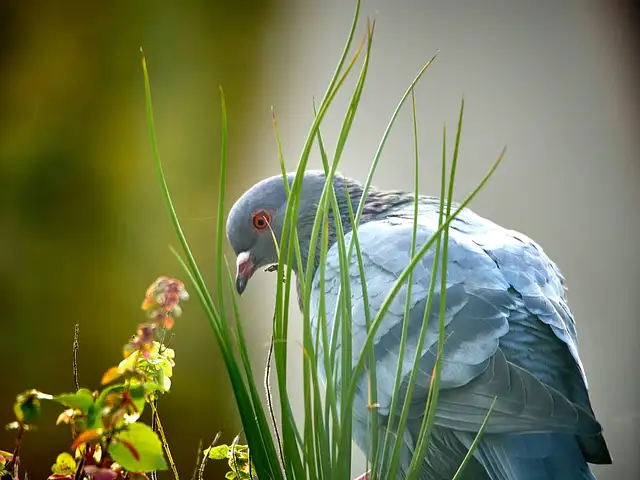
(504, 298)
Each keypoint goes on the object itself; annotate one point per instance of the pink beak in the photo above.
(244, 271)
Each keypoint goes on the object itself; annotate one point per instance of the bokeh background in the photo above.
(83, 230)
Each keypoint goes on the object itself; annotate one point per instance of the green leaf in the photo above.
(27, 406)
(152, 387)
(82, 400)
(101, 400)
(218, 453)
(94, 418)
(65, 465)
(147, 444)
(27, 411)
(35, 394)
(244, 475)
(138, 394)
(231, 475)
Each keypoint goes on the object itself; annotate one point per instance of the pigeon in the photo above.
(509, 332)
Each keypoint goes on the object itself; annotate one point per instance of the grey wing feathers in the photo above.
(494, 277)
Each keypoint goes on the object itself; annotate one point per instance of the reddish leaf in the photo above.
(132, 449)
(86, 437)
(59, 476)
(111, 374)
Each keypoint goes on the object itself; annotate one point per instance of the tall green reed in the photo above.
(321, 447)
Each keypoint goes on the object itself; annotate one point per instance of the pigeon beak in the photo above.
(244, 270)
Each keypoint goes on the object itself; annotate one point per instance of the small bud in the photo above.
(66, 416)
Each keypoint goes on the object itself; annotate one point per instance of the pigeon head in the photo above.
(255, 222)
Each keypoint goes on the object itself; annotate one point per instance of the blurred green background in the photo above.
(83, 227)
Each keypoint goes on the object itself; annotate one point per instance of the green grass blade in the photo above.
(261, 452)
(163, 181)
(399, 439)
(330, 400)
(282, 326)
(421, 445)
(434, 391)
(294, 199)
(309, 426)
(331, 411)
(291, 212)
(221, 193)
(283, 168)
(385, 135)
(323, 433)
(290, 219)
(469, 455)
(443, 288)
(373, 395)
(368, 349)
(332, 422)
(454, 162)
(342, 463)
(261, 417)
(289, 429)
(344, 449)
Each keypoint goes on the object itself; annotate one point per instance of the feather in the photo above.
(509, 334)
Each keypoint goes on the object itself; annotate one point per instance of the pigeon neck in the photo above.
(305, 227)
(378, 204)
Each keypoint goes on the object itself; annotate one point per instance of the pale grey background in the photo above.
(553, 81)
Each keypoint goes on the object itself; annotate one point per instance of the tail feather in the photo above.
(531, 457)
(595, 450)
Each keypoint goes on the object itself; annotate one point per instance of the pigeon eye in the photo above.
(261, 220)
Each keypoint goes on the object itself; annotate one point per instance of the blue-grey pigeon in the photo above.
(509, 331)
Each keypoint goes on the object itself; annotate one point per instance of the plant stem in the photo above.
(15, 460)
(79, 475)
(156, 420)
(76, 346)
(267, 386)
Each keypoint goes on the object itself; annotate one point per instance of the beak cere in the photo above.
(244, 270)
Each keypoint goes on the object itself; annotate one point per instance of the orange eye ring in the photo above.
(261, 220)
